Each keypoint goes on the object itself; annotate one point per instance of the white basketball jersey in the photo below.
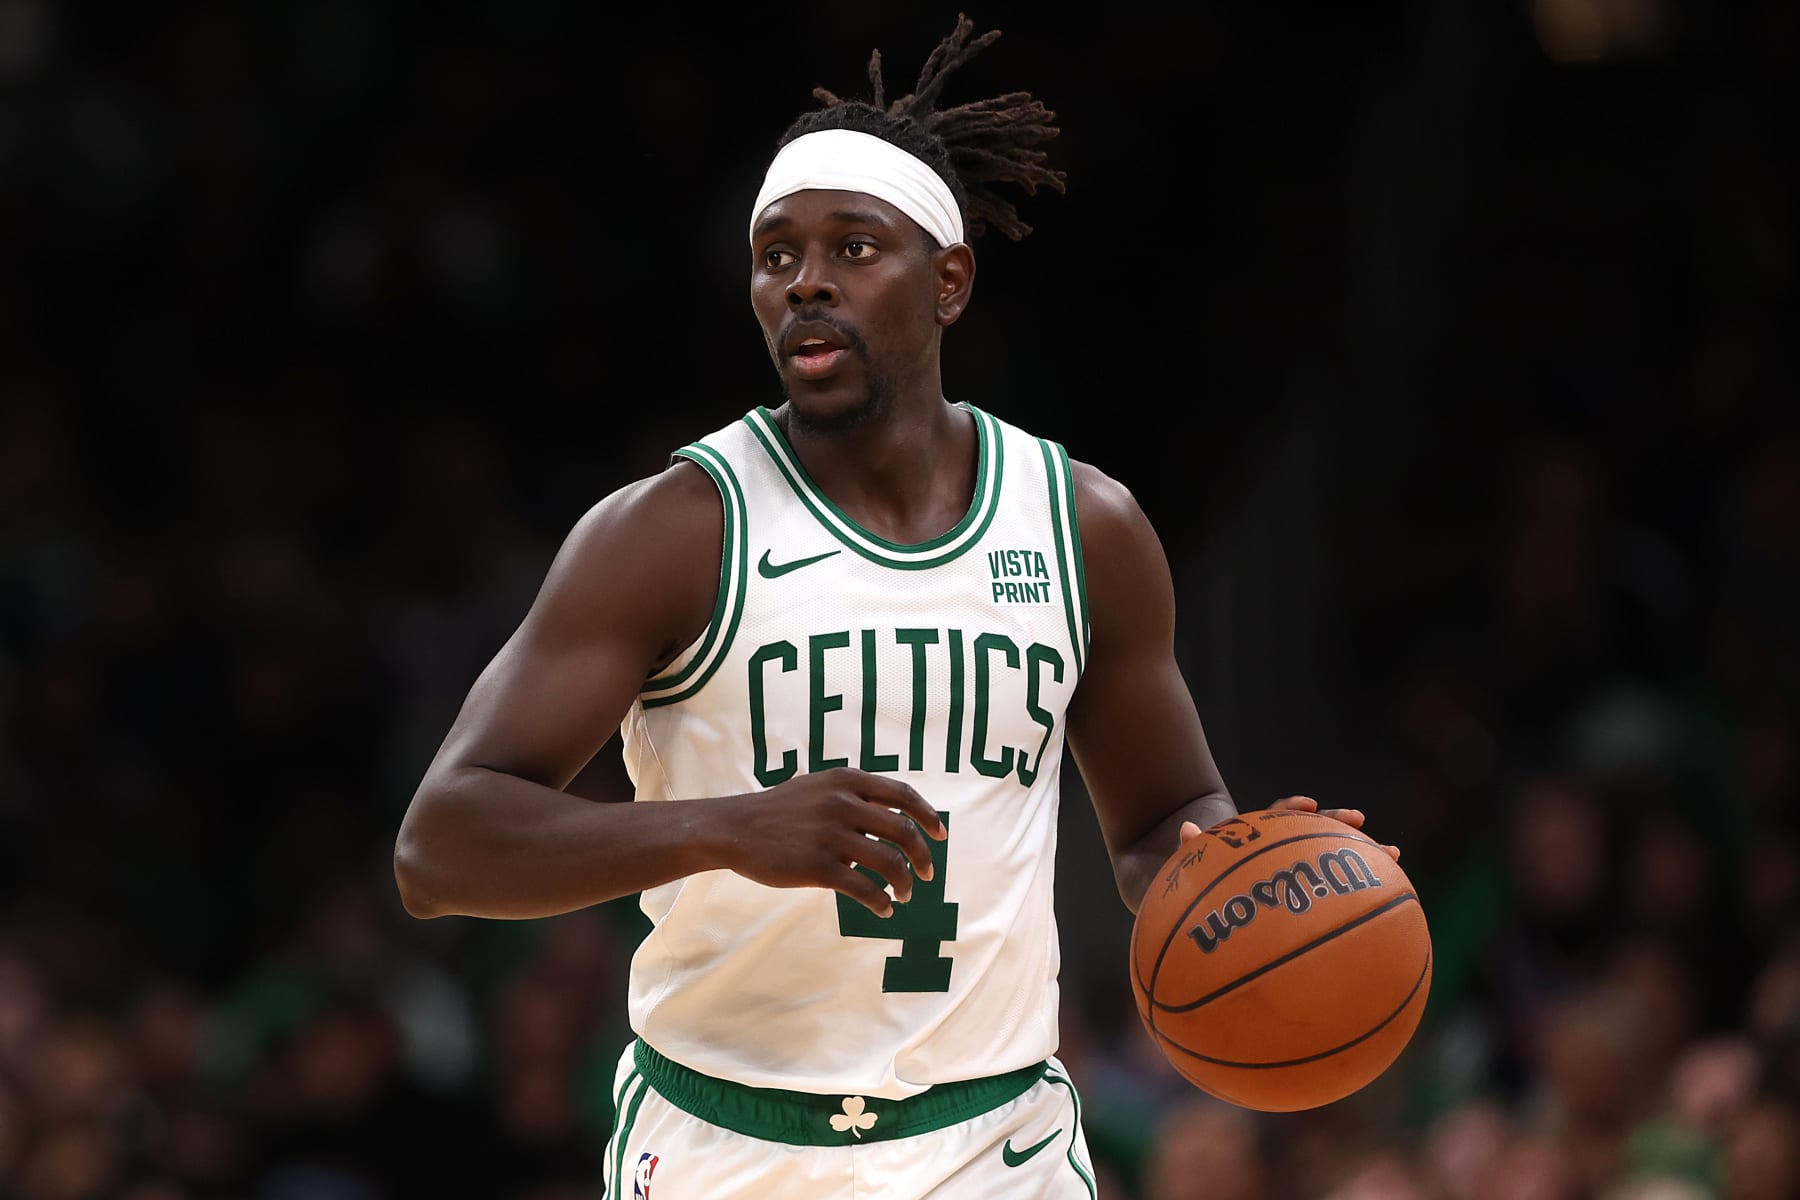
(948, 664)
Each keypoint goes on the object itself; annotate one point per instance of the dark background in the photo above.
(1449, 346)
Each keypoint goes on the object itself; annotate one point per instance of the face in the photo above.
(852, 297)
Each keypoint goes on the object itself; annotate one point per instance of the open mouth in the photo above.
(814, 362)
(815, 352)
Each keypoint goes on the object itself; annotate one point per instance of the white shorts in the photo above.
(680, 1135)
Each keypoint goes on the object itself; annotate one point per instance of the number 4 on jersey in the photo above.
(922, 925)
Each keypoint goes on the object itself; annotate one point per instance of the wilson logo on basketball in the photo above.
(1337, 872)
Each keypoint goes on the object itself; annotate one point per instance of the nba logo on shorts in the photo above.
(640, 1179)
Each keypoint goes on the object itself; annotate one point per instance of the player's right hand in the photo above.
(813, 830)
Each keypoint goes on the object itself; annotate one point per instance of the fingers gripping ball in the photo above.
(1281, 960)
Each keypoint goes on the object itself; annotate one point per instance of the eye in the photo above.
(857, 248)
(774, 259)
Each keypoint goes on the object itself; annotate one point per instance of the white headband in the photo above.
(843, 160)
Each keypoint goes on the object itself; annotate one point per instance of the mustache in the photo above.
(818, 316)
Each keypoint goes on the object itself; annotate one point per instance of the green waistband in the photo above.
(809, 1119)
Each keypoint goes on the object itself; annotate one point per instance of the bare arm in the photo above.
(491, 832)
(1135, 732)
(1132, 724)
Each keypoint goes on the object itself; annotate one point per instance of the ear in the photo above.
(955, 281)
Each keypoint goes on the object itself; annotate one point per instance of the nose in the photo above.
(811, 284)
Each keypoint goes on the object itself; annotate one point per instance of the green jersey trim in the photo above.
(1067, 530)
(1051, 1077)
(835, 1119)
(623, 1119)
(728, 610)
(1068, 476)
(939, 550)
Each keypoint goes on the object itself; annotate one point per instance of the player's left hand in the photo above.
(1352, 817)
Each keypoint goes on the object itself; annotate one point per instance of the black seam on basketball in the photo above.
(1175, 925)
(1295, 1062)
(1346, 927)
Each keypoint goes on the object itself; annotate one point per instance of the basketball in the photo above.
(1281, 961)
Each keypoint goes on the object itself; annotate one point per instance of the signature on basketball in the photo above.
(1173, 877)
(1335, 872)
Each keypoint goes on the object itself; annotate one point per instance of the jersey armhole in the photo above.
(1071, 568)
(694, 666)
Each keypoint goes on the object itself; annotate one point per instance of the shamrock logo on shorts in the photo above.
(853, 1119)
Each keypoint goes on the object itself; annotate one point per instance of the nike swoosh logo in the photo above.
(769, 570)
(1017, 1158)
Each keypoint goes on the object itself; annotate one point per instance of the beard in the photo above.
(873, 404)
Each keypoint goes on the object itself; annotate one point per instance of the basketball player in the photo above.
(845, 639)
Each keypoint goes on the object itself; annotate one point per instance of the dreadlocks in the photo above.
(972, 146)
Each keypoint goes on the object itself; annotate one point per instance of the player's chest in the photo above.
(962, 670)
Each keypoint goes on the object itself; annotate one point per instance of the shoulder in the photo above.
(1099, 495)
(1113, 529)
(645, 559)
(1109, 514)
(1123, 560)
(656, 515)
(1104, 507)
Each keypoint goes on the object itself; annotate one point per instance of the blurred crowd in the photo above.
(311, 349)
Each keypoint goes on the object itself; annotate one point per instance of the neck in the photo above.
(906, 474)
